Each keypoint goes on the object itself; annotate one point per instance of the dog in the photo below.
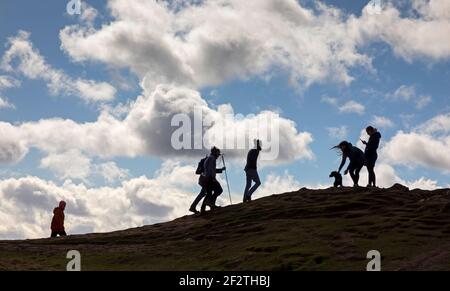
(337, 179)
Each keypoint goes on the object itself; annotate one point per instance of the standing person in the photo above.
(212, 186)
(57, 226)
(200, 171)
(251, 171)
(357, 160)
(371, 154)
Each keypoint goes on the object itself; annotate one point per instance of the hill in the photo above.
(331, 229)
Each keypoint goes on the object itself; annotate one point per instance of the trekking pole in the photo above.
(226, 177)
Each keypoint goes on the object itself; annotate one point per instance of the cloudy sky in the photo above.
(86, 100)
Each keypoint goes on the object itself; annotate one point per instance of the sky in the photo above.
(87, 100)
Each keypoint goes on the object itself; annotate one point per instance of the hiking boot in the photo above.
(193, 210)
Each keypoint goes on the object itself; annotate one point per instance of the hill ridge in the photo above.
(326, 229)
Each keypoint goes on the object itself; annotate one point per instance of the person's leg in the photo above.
(371, 175)
(62, 233)
(351, 170)
(53, 235)
(247, 187)
(197, 200)
(356, 175)
(217, 192)
(255, 178)
(208, 197)
(374, 175)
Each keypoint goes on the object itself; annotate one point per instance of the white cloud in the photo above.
(338, 132)
(330, 100)
(68, 165)
(75, 165)
(111, 172)
(208, 43)
(352, 107)
(424, 184)
(146, 130)
(439, 124)
(382, 122)
(27, 203)
(215, 41)
(423, 101)
(427, 145)
(347, 107)
(424, 35)
(4, 104)
(409, 94)
(32, 65)
(8, 82)
(88, 14)
(276, 184)
(12, 146)
(416, 149)
(404, 93)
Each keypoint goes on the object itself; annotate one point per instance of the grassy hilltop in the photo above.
(331, 229)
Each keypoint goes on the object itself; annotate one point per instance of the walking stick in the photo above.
(226, 177)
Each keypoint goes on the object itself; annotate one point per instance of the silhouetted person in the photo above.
(57, 226)
(251, 171)
(200, 171)
(371, 153)
(337, 179)
(212, 186)
(357, 160)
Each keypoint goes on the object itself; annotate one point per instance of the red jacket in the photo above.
(58, 220)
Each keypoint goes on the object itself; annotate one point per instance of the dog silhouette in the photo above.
(337, 179)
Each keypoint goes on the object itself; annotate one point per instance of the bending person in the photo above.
(357, 160)
(371, 154)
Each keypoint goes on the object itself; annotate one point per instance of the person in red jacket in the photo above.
(58, 220)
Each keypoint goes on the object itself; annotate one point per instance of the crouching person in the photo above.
(57, 226)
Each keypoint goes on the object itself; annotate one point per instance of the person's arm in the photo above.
(374, 143)
(344, 159)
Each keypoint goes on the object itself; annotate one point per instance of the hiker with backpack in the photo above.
(371, 153)
(357, 160)
(200, 171)
(251, 171)
(209, 181)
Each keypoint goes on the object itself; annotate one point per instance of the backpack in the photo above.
(201, 167)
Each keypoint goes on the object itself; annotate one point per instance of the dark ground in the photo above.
(305, 230)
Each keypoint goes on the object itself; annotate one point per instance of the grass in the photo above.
(305, 230)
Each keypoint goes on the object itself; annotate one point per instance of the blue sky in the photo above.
(391, 88)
